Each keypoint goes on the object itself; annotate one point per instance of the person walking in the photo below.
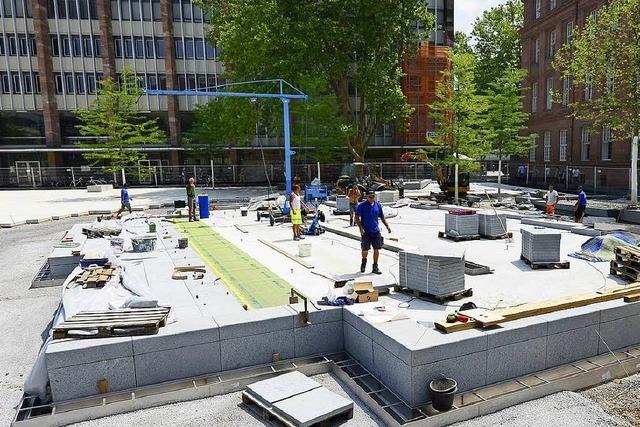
(552, 200)
(125, 200)
(295, 207)
(354, 198)
(581, 205)
(191, 199)
(367, 214)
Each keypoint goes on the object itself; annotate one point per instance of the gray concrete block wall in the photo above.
(358, 345)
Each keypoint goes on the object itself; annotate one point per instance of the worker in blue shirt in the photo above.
(125, 200)
(581, 204)
(367, 214)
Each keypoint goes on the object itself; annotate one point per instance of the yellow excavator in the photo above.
(445, 175)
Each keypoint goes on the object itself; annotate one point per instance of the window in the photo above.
(84, 9)
(177, 10)
(191, 81)
(552, 43)
(149, 48)
(563, 145)
(93, 9)
(536, 50)
(179, 49)
(72, 11)
(606, 143)
(23, 45)
(588, 88)
(66, 46)
(538, 8)
(139, 47)
(197, 14)
(188, 48)
(36, 82)
(152, 82)
(553, 4)
(585, 143)
(7, 12)
(61, 8)
(146, 10)
(210, 51)
(69, 83)
(59, 85)
(97, 43)
(88, 46)
(80, 88)
(155, 8)
(534, 98)
(128, 47)
(2, 49)
(33, 45)
(17, 82)
(159, 48)
(27, 83)
(115, 10)
(91, 83)
(199, 48)
(565, 91)
(182, 82)
(186, 10)
(549, 93)
(547, 146)
(13, 45)
(569, 31)
(6, 85)
(125, 10)
(76, 43)
(201, 81)
(162, 81)
(135, 10)
(532, 149)
(118, 47)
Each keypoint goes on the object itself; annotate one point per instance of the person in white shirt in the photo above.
(295, 207)
(552, 200)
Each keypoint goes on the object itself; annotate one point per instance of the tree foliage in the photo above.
(119, 127)
(605, 55)
(497, 41)
(459, 111)
(326, 47)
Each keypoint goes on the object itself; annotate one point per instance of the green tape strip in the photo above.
(250, 282)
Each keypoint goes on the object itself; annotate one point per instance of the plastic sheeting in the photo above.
(600, 248)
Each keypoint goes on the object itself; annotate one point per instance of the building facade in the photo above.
(566, 150)
(54, 52)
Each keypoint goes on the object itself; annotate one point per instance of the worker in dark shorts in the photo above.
(581, 204)
(125, 200)
(191, 199)
(367, 215)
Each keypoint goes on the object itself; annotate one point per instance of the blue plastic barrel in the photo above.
(203, 205)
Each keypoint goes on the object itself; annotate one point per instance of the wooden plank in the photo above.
(632, 297)
(544, 307)
(483, 317)
(126, 310)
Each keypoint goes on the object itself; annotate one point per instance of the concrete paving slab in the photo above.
(393, 373)
(618, 309)
(517, 331)
(70, 352)
(188, 330)
(575, 318)
(255, 322)
(435, 345)
(314, 406)
(358, 345)
(258, 349)
(395, 336)
(319, 338)
(619, 333)
(516, 359)
(572, 345)
(282, 387)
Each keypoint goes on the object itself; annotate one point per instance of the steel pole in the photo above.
(634, 171)
(287, 148)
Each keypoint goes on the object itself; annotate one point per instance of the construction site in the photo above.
(476, 309)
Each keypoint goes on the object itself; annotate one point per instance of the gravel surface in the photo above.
(566, 409)
(620, 398)
(225, 410)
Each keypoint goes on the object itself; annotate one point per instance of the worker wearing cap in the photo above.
(367, 215)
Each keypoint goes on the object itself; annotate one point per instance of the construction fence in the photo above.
(602, 180)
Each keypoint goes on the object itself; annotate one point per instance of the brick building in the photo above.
(564, 144)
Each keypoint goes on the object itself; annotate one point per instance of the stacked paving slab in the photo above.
(540, 244)
(492, 225)
(342, 204)
(461, 225)
(432, 274)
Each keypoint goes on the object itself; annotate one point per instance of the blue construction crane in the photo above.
(285, 98)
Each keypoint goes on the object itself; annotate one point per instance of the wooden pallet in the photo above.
(563, 265)
(443, 235)
(271, 415)
(627, 272)
(110, 323)
(508, 235)
(438, 299)
(94, 277)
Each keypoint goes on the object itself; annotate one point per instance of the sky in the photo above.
(466, 11)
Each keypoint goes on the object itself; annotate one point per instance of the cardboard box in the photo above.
(365, 292)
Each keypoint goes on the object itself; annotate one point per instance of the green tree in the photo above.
(505, 119)
(119, 127)
(326, 48)
(459, 112)
(462, 43)
(497, 41)
(604, 60)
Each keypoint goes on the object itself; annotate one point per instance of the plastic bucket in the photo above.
(244, 211)
(143, 244)
(152, 227)
(183, 242)
(443, 391)
(304, 249)
(203, 205)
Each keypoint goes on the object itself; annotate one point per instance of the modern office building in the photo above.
(53, 53)
(565, 146)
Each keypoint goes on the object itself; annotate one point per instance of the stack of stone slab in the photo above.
(416, 185)
(540, 244)
(388, 196)
(491, 224)
(438, 275)
(297, 399)
(461, 225)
